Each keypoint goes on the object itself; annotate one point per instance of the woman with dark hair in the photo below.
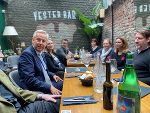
(121, 49)
(142, 56)
(94, 46)
(53, 63)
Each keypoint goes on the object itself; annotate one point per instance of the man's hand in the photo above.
(57, 78)
(48, 97)
(55, 91)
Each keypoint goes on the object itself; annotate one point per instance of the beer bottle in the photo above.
(128, 90)
(107, 89)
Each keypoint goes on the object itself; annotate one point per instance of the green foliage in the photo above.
(90, 27)
(97, 8)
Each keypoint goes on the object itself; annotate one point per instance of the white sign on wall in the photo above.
(46, 15)
(142, 8)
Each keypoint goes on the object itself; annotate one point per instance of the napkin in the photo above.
(144, 91)
(76, 69)
(79, 100)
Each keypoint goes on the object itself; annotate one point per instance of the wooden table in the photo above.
(73, 87)
(78, 63)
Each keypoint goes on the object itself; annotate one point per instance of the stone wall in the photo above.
(57, 17)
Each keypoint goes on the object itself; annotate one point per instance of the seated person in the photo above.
(94, 46)
(4, 67)
(63, 52)
(142, 56)
(121, 49)
(17, 100)
(106, 53)
(33, 70)
(53, 63)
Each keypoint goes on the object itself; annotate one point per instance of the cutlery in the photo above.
(71, 100)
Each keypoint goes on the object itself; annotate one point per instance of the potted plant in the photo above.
(91, 27)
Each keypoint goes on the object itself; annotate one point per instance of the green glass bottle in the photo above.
(128, 90)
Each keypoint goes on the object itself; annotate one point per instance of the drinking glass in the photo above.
(99, 79)
(114, 66)
(86, 60)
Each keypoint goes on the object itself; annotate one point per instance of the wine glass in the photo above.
(86, 60)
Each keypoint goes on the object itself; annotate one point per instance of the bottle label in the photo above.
(129, 61)
(125, 105)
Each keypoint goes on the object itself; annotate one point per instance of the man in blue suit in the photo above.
(33, 70)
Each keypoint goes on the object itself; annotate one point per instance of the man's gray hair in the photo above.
(40, 31)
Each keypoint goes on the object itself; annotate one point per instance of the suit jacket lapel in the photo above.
(37, 59)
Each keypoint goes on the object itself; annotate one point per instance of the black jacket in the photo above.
(142, 65)
(51, 64)
(92, 52)
(61, 53)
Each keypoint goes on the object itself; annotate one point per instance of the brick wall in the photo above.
(124, 17)
(57, 17)
(142, 12)
(107, 29)
(129, 16)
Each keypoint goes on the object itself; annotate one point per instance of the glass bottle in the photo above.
(107, 89)
(128, 90)
(80, 53)
(76, 55)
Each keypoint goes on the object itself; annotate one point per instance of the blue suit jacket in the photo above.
(30, 71)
